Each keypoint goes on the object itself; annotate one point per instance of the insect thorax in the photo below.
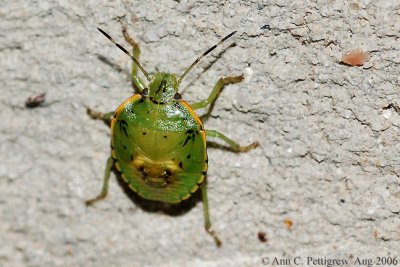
(163, 87)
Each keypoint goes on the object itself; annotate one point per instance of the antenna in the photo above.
(126, 52)
(203, 55)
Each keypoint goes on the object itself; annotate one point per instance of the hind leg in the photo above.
(104, 189)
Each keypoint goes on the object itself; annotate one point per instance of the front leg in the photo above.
(106, 117)
(104, 189)
(217, 89)
(137, 82)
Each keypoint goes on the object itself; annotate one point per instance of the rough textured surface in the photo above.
(329, 157)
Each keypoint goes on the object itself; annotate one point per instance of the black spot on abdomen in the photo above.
(122, 127)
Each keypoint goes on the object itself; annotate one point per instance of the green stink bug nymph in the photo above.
(158, 142)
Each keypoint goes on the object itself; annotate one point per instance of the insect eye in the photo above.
(177, 96)
(145, 92)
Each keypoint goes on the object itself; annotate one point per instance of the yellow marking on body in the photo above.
(156, 174)
(191, 111)
(133, 98)
(186, 196)
(155, 168)
(113, 154)
(202, 133)
(113, 121)
(205, 167)
(194, 189)
(117, 166)
(131, 187)
(176, 202)
(201, 179)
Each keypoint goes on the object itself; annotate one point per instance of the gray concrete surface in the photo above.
(329, 157)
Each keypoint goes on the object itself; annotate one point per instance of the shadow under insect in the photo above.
(156, 206)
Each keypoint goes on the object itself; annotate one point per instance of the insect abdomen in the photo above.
(159, 162)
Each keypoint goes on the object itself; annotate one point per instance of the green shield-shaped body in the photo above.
(159, 148)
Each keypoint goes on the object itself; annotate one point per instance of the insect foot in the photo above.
(93, 114)
(106, 117)
(233, 79)
(218, 242)
(90, 202)
(249, 147)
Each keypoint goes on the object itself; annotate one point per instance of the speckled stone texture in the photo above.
(323, 183)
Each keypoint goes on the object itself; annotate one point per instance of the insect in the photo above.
(158, 142)
(262, 236)
(35, 100)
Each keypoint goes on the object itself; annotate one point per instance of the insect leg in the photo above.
(106, 117)
(104, 189)
(217, 89)
(207, 221)
(136, 81)
(232, 144)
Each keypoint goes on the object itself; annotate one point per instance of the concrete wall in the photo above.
(324, 183)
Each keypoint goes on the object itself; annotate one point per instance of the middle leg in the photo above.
(232, 144)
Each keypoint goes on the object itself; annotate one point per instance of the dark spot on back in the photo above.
(144, 133)
(181, 165)
(145, 92)
(177, 96)
(165, 136)
(188, 156)
(161, 86)
(156, 102)
(187, 139)
(122, 127)
(131, 158)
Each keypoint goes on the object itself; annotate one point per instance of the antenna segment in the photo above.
(203, 55)
(126, 52)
